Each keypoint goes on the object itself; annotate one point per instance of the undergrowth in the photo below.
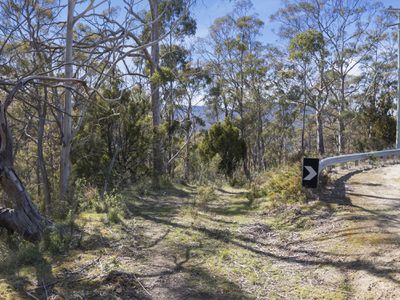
(278, 186)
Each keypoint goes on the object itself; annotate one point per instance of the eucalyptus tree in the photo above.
(309, 48)
(374, 125)
(151, 26)
(348, 32)
(284, 94)
(28, 33)
(191, 82)
(233, 56)
(33, 60)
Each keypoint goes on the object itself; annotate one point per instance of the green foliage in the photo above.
(162, 76)
(89, 199)
(305, 44)
(205, 195)
(27, 254)
(118, 130)
(58, 239)
(224, 139)
(282, 186)
(113, 215)
(377, 122)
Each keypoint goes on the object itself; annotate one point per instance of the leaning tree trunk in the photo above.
(24, 219)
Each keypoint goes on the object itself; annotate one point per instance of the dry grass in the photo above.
(166, 247)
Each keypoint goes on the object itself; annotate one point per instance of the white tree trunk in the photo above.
(155, 95)
(65, 162)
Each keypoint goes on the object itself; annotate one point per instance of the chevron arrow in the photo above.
(311, 173)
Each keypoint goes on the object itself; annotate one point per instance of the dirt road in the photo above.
(374, 232)
(349, 249)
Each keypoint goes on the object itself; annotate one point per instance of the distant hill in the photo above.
(202, 112)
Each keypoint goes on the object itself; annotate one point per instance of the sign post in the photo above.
(310, 172)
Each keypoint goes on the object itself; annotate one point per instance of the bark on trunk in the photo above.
(320, 134)
(155, 96)
(188, 129)
(65, 163)
(341, 134)
(24, 218)
(42, 165)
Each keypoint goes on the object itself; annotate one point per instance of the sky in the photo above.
(206, 11)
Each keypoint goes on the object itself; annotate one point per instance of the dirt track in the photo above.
(375, 232)
(346, 246)
(350, 251)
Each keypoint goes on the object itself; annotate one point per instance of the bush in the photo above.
(59, 238)
(27, 254)
(89, 198)
(224, 139)
(282, 186)
(113, 216)
(204, 196)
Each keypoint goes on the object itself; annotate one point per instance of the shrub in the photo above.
(224, 139)
(113, 216)
(87, 196)
(204, 196)
(27, 254)
(60, 237)
(58, 240)
(282, 186)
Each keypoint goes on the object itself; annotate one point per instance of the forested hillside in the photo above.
(117, 122)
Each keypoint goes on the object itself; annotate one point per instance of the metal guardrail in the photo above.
(326, 162)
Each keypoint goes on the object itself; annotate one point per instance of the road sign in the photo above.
(310, 172)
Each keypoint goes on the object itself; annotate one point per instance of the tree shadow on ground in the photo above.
(275, 250)
(13, 269)
(236, 208)
(200, 284)
(184, 281)
(372, 196)
(336, 193)
(231, 193)
(158, 204)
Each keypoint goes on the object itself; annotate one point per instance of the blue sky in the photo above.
(206, 11)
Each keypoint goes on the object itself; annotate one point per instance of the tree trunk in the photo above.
(341, 133)
(65, 163)
(320, 133)
(342, 106)
(109, 172)
(303, 128)
(155, 95)
(260, 125)
(42, 166)
(188, 128)
(24, 218)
